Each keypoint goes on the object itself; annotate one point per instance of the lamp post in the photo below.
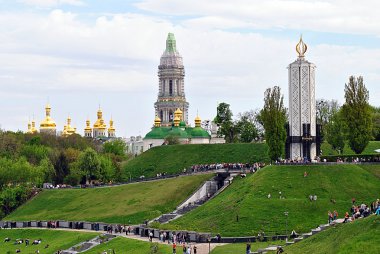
(209, 244)
(286, 227)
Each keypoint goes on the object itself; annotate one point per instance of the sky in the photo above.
(81, 54)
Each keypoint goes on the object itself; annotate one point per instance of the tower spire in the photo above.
(301, 48)
(170, 43)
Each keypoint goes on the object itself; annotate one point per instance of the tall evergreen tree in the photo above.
(357, 114)
(273, 117)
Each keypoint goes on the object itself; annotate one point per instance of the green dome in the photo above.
(178, 132)
(182, 124)
(157, 133)
(198, 132)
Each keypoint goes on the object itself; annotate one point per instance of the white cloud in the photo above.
(340, 16)
(114, 59)
(53, 3)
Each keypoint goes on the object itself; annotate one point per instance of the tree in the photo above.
(172, 140)
(117, 147)
(89, 164)
(357, 114)
(335, 131)
(376, 123)
(246, 127)
(61, 167)
(273, 117)
(224, 120)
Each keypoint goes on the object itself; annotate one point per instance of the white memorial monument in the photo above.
(303, 141)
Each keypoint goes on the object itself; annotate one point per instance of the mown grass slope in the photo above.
(370, 149)
(247, 199)
(173, 159)
(56, 239)
(124, 245)
(360, 236)
(132, 203)
(234, 248)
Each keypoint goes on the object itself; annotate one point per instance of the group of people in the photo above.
(357, 211)
(186, 249)
(19, 241)
(228, 166)
(119, 229)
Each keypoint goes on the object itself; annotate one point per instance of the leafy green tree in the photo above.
(172, 140)
(46, 172)
(246, 127)
(12, 197)
(273, 117)
(335, 132)
(376, 123)
(107, 169)
(61, 167)
(89, 164)
(224, 120)
(357, 114)
(116, 147)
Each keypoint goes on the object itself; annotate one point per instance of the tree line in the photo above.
(27, 161)
(355, 122)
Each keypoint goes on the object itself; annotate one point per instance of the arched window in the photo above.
(170, 87)
(161, 115)
(171, 115)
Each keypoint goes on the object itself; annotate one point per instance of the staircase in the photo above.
(207, 191)
(314, 231)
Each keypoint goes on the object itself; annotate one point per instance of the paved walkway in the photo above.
(202, 248)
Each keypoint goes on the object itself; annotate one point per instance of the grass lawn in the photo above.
(123, 245)
(373, 169)
(235, 248)
(361, 236)
(247, 198)
(370, 149)
(57, 240)
(132, 203)
(173, 159)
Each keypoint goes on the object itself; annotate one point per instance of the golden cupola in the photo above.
(99, 124)
(178, 113)
(177, 120)
(157, 122)
(68, 129)
(29, 131)
(111, 130)
(198, 121)
(88, 129)
(34, 129)
(99, 127)
(48, 125)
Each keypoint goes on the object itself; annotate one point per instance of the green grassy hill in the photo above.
(57, 240)
(124, 245)
(361, 236)
(132, 203)
(173, 159)
(370, 149)
(247, 199)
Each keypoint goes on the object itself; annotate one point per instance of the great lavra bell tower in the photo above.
(171, 94)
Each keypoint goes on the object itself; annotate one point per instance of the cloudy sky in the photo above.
(78, 54)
